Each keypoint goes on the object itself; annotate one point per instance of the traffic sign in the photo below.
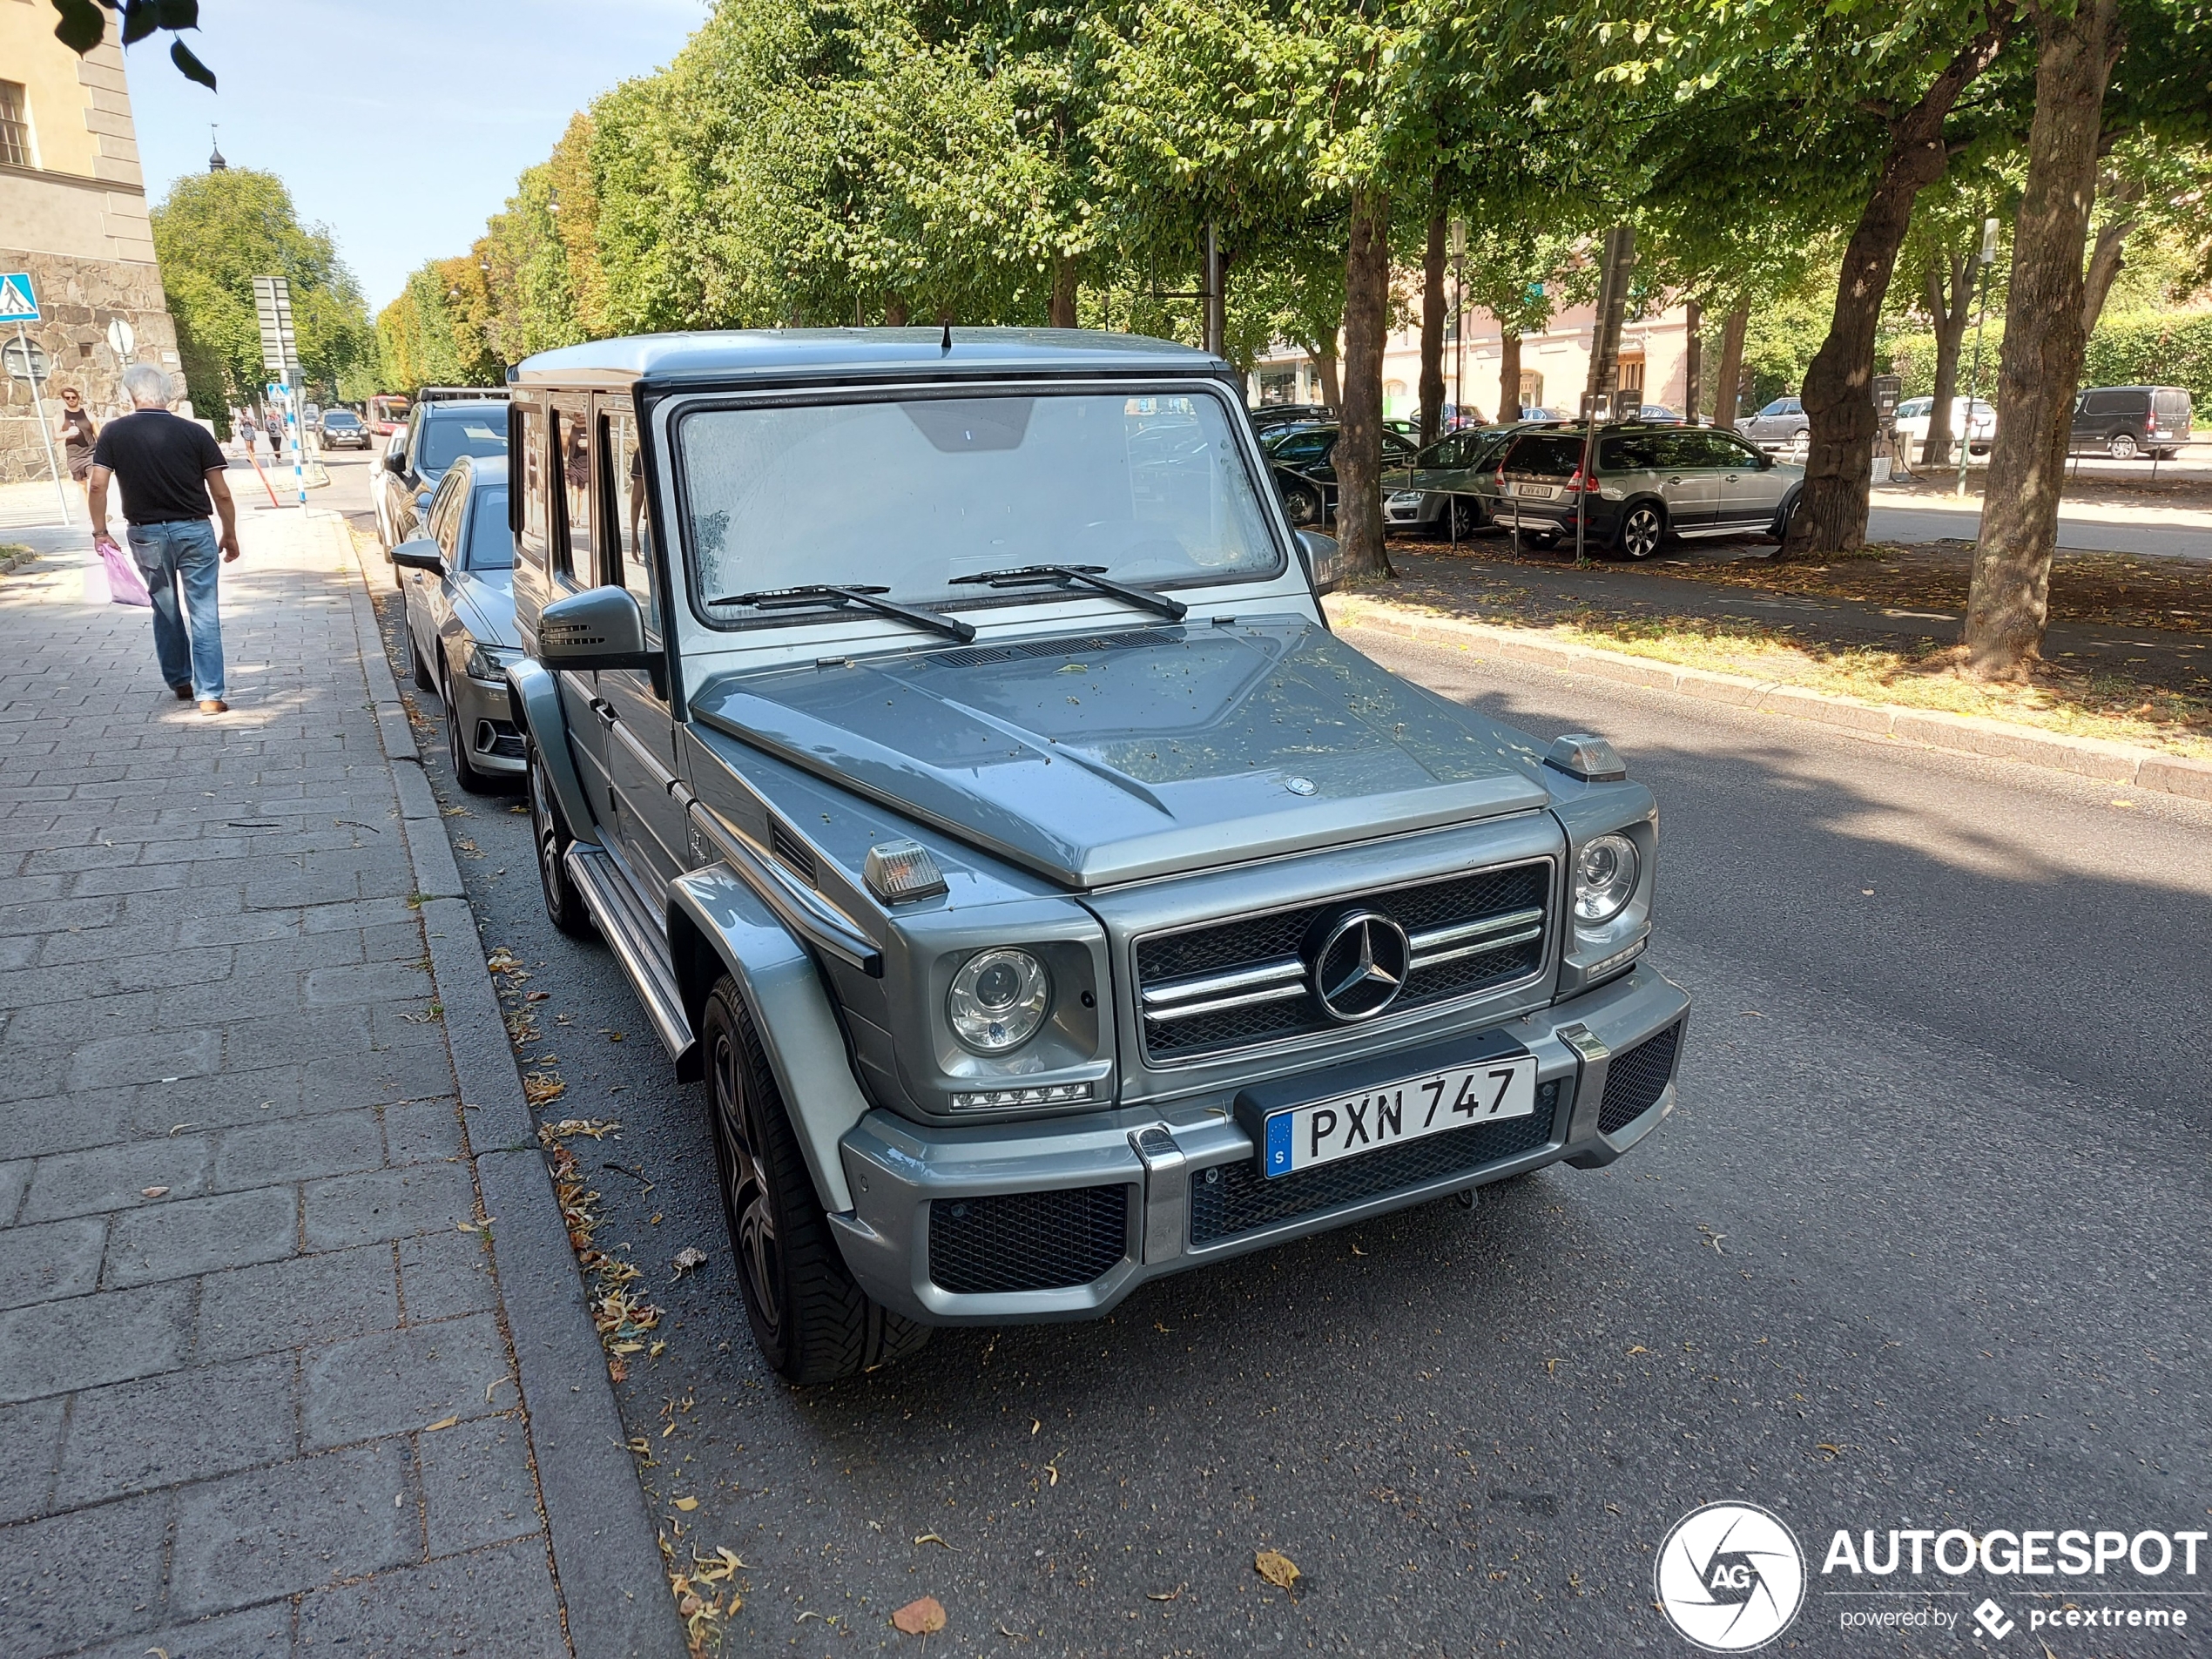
(272, 308)
(19, 301)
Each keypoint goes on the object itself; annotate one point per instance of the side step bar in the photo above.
(635, 935)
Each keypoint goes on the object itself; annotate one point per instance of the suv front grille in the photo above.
(1228, 985)
(1232, 1199)
(1028, 1241)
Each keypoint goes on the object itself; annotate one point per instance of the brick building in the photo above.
(73, 214)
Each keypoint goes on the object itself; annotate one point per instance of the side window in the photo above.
(529, 468)
(572, 538)
(629, 520)
(446, 513)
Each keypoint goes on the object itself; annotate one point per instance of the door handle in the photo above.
(605, 710)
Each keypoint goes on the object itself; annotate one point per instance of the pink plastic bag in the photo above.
(125, 585)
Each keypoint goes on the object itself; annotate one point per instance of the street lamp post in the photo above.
(1988, 258)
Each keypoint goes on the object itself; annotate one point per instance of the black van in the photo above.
(2124, 422)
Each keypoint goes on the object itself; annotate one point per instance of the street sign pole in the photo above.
(45, 433)
(279, 356)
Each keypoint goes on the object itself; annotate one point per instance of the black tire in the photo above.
(1303, 504)
(810, 1320)
(1465, 517)
(464, 769)
(1780, 530)
(2121, 446)
(550, 833)
(1641, 531)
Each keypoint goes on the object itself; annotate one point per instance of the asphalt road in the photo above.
(1923, 1246)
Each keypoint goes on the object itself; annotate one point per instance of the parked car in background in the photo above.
(1307, 452)
(1657, 415)
(1782, 426)
(438, 434)
(2125, 421)
(1269, 415)
(343, 429)
(457, 583)
(1915, 415)
(1532, 412)
(1646, 483)
(1037, 929)
(1451, 488)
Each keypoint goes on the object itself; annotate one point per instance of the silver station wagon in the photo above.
(944, 731)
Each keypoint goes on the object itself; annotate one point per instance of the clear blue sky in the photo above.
(400, 125)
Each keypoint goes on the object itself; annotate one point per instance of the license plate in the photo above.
(1347, 1125)
(1535, 492)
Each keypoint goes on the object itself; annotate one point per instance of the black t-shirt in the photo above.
(163, 461)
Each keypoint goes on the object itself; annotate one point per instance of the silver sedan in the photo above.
(457, 584)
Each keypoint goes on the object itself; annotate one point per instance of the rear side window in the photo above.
(2112, 402)
(1544, 455)
(1636, 452)
(491, 545)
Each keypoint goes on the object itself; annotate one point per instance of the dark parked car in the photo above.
(1452, 488)
(1044, 898)
(1269, 415)
(457, 583)
(343, 428)
(1646, 483)
(438, 433)
(1305, 453)
(2124, 422)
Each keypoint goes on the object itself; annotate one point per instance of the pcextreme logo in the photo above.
(1731, 1577)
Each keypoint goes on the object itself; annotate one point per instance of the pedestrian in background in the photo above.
(246, 432)
(171, 470)
(76, 432)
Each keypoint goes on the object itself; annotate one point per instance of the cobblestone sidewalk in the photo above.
(258, 1392)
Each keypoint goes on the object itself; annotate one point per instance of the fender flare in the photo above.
(534, 699)
(1783, 509)
(716, 925)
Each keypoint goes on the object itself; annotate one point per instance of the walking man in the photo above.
(171, 468)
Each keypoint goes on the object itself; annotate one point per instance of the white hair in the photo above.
(147, 385)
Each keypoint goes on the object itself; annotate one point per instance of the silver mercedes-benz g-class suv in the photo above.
(944, 731)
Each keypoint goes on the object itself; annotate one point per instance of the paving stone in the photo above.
(306, 1037)
(54, 1347)
(477, 1487)
(78, 1020)
(294, 1149)
(185, 1425)
(172, 1240)
(60, 1258)
(286, 889)
(84, 1576)
(240, 929)
(389, 1204)
(368, 982)
(270, 1532)
(145, 1057)
(495, 1600)
(258, 1633)
(400, 1380)
(443, 1274)
(134, 878)
(31, 1443)
(30, 1073)
(115, 1177)
(308, 1301)
(15, 1176)
(422, 1132)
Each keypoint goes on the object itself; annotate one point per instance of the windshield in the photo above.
(911, 495)
(445, 442)
(491, 543)
(340, 417)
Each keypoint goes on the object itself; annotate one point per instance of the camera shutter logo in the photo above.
(1731, 1577)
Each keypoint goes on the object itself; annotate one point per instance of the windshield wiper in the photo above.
(1086, 576)
(867, 598)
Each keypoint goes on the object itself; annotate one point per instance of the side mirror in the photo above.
(395, 462)
(420, 556)
(598, 628)
(1323, 563)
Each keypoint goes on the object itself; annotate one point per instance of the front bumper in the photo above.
(487, 725)
(1061, 1218)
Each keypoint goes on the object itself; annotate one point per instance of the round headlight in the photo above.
(998, 1000)
(1605, 878)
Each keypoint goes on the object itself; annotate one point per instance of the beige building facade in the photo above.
(73, 214)
(1555, 365)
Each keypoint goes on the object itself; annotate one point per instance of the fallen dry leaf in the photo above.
(688, 1258)
(630, 1347)
(153, 1192)
(920, 1618)
(537, 997)
(930, 1537)
(686, 1504)
(1276, 1568)
(1165, 1595)
(616, 1372)
(1638, 1349)
(443, 1422)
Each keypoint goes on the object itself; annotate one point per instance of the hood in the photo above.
(1096, 760)
(484, 600)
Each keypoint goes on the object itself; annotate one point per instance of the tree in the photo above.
(1942, 253)
(214, 233)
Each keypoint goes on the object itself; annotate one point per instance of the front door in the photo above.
(1687, 478)
(1745, 493)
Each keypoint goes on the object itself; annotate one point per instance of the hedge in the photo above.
(2142, 349)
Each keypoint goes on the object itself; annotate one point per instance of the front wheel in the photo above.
(1466, 517)
(563, 904)
(2121, 447)
(1303, 505)
(810, 1317)
(1642, 528)
(1801, 446)
(464, 766)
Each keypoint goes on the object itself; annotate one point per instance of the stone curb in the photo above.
(2125, 764)
(606, 1549)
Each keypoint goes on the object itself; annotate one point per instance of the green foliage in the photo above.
(2155, 348)
(214, 234)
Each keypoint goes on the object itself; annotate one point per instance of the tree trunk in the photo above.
(2104, 266)
(2044, 338)
(1063, 292)
(1693, 359)
(1358, 456)
(1433, 306)
(895, 311)
(1728, 389)
(1324, 365)
(1951, 319)
(1508, 374)
(1838, 392)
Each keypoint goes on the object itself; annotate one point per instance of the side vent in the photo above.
(792, 853)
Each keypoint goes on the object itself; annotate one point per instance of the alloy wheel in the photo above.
(546, 833)
(2121, 447)
(745, 1192)
(1641, 532)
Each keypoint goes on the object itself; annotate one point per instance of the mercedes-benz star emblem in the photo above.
(1357, 964)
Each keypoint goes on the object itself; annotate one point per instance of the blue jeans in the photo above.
(182, 557)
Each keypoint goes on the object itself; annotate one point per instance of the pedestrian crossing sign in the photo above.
(18, 303)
